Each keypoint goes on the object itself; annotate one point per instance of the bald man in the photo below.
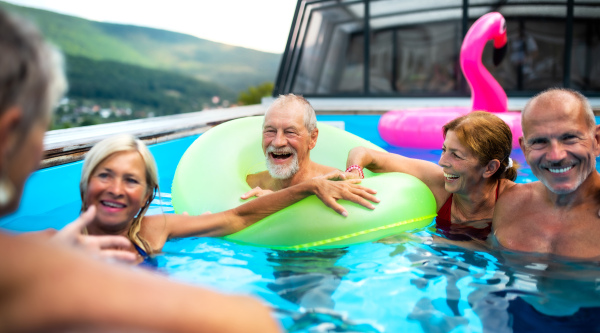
(559, 213)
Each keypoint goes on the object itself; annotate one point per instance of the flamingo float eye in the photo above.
(503, 27)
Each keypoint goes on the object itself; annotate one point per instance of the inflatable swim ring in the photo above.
(211, 176)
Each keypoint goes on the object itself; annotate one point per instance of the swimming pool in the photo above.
(408, 283)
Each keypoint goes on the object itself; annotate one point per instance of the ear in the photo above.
(491, 168)
(9, 122)
(522, 143)
(597, 140)
(313, 138)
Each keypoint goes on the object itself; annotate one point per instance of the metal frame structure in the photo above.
(304, 14)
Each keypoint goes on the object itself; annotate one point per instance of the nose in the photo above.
(556, 152)
(443, 160)
(115, 187)
(279, 140)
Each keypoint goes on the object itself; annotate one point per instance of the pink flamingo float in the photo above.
(422, 128)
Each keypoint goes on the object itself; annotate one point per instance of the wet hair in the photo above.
(31, 71)
(118, 144)
(590, 119)
(310, 118)
(488, 137)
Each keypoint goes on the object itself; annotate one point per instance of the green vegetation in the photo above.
(160, 91)
(254, 95)
(235, 68)
(119, 72)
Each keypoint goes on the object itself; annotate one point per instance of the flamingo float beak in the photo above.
(500, 42)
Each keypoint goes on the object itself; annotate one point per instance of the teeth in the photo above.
(561, 170)
(112, 204)
(450, 176)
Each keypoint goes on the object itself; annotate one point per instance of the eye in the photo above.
(131, 180)
(102, 175)
(570, 138)
(538, 143)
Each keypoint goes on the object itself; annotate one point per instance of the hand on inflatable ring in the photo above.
(331, 191)
(255, 192)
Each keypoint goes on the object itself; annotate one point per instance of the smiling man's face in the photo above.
(558, 143)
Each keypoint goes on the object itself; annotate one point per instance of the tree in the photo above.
(254, 94)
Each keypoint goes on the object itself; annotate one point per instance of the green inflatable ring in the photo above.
(211, 176)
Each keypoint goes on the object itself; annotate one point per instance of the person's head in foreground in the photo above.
(119, 177)
(289, 134)
(31, 82)
(476, 149)
(560, 139)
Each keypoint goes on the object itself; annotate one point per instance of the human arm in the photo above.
(158, 228)
(47, 287)
(379, 162)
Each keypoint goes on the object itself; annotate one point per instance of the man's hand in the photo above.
(255, 192)
(107, 247)
(331, 191)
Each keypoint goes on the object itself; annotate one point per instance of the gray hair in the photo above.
(310, 118)
(31, 71)
(108, 147)
(590, 119)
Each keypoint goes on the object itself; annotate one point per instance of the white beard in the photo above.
(282, 171)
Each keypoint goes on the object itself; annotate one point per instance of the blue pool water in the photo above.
(413, 282)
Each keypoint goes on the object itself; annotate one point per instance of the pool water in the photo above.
(412, 282)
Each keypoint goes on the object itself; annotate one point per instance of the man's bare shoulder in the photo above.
(519, 193)
(515, 200)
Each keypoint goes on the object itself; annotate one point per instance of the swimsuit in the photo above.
(140, 250)
(148, 260)
(461, 232)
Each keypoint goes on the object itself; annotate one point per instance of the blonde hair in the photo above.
(106, 148)
(488, 137)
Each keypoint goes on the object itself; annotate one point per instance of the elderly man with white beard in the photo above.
(289, 134)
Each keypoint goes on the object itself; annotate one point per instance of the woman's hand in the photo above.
(106, 247)
(340, 175)
(331, 191)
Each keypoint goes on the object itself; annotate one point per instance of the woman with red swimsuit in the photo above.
(474, 169)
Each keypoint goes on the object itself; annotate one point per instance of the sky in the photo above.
(263, 25)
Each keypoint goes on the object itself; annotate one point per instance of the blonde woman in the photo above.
(119, 179)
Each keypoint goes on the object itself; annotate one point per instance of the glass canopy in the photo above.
(412, 47)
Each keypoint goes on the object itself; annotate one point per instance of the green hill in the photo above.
(234, 68)
(161, 92)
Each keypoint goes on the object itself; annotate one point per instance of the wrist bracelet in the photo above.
(356, 167)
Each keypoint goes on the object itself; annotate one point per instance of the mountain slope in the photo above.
(232, 67)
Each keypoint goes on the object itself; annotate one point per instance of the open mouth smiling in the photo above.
(450, 176)
(280, 156)
(112, 204)
(560, 170)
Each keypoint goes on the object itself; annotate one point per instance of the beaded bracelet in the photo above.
(356, 167)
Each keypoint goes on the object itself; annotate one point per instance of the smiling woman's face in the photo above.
(118, 189)
(461, 167)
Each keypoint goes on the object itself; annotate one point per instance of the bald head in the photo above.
(557, 100)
